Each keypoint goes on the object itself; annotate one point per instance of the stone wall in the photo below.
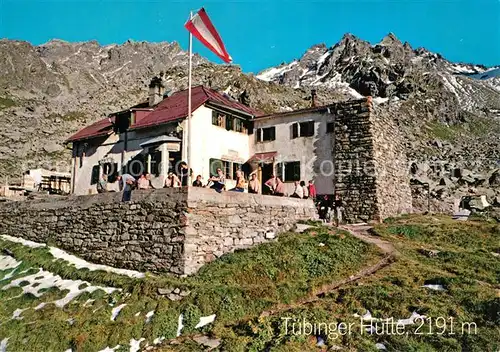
(146, 234)
(370, 164)
(393, 179)
(221, 223)
(168, 230)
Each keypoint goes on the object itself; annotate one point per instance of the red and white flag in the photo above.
(202, 28)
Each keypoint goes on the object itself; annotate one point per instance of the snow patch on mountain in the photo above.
(272, 73)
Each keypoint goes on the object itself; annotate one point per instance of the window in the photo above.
(236, 167)
(111, 170)
(238, 125)
(94, 177)
(266, 134)
(303, 129)
(288, 171)
(329, 127)
(155, 162)
(225, 166)
(229, 122)
(218, 119)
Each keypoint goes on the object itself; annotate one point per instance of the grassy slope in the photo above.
(237, 287)
(465, 266)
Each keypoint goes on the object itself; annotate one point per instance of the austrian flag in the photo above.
(202, 28)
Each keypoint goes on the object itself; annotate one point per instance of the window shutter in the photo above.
(295, 130)
(273, 134)
(94, 178)
(258, 135)
(279, 171)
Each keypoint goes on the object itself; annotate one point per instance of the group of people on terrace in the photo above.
(274, 186)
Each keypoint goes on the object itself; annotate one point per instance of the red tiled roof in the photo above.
(169, 109)
(100, 128)
(176, 106)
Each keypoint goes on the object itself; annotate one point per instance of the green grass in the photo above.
(464, 266)
(236, 287)
(239, 286)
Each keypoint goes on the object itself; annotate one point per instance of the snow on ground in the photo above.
(17, 313)
(109, 349)
(115, 311)
(149, 315)
(179, 326)
(434, 287)
(44, 280)
(270, 74)
(81, 263)
(3, 344)
(205, 320)
(40, 306)
(23, 241)
(7, 262)
(409, 321)
(158, 340)
(379, 100)
(321, 60)
(135, 345)
(74, 260)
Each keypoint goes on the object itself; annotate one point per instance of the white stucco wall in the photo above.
(209, 141)
(310, 151)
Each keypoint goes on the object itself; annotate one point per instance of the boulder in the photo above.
(479, 203)
(52, 147)
(494, 178)
(445, 181)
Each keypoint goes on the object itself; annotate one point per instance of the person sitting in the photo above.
(184, 174)
(142, 182)
(102, 184)
(254, 184)
(217, 182)
(197, 182)
(240, 182)
(276, 186)
(298, 192)
(172, 180)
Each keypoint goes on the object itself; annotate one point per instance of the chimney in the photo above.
(156, 90)
(313, 98)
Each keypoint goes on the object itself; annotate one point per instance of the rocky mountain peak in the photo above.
(390, 39)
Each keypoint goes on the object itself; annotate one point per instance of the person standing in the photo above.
(312, 190)
(254, 184)
(338, 209)
(184, 174)
(127, 182)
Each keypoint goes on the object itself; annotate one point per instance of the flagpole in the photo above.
(189, 97)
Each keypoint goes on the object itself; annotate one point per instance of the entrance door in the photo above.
(266, 174)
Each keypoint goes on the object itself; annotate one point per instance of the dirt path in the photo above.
(361, 232)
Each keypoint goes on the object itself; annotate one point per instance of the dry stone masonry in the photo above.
(164, 230)
(371, 167)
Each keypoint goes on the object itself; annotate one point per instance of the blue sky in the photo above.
(259, 34)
